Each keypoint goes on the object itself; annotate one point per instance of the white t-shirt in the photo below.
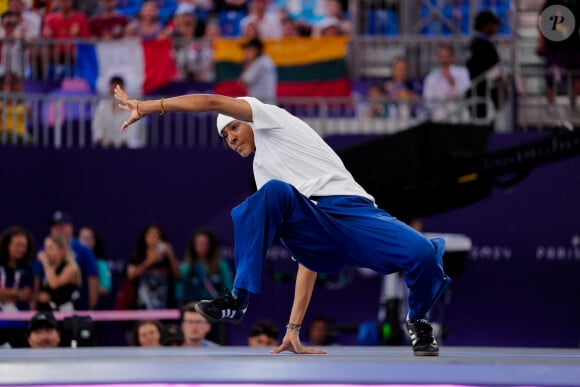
(288, 149)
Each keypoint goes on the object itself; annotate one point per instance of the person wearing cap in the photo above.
(61, 224)
(43, 331)
(259, 75)
(308, 200)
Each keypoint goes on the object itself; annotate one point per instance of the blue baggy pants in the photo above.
(334, 232)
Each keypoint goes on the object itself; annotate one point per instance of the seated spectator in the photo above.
(264, 334)
(61, 224)
(43, 331)
(375, 105)
(147, 26)
(147, 333)
(267, 21)
(195, 328)
(445, 88)
(401, 92)
(204, 274)
(16, 247)
(108, 24)
(14, 112)
(60, 277)
(318, 333)
(194, 59)
(173, 336)
(89, 237)
(155, 269)
(107, 120)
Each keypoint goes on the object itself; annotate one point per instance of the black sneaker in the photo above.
(224, 308)
(421, 334)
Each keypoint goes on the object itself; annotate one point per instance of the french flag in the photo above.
(144, 65)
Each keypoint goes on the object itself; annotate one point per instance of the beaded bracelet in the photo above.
(293, 327)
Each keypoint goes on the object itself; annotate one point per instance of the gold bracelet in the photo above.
(162, 108)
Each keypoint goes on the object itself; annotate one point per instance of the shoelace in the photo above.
(226, 301)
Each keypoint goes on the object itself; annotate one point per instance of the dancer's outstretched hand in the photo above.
(129, 105)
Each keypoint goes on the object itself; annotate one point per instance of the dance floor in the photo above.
(245, 367)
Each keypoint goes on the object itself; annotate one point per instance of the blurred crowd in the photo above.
(69, 270)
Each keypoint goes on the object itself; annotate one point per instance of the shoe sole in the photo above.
(421, 353)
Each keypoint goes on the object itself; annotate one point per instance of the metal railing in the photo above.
(64, 121)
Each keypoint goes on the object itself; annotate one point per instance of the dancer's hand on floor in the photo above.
(291, 343)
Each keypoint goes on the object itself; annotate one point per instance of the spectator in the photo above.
(335, 10)
(65, 23)
(483, 65)
(60, 279)
(61, 224)
(155, 268)
(251, 30)
(445, 88)
(14, 112)
(259, 75)
(186, 26)
(12, 58)
(108, 24)
(204, 273)
(401, 91)
(29, 23)
(147, 26)
(562, 58)
(268, 21)
(264, 334)
(195, 328)
(16, 246)
(89, 237)
(173, 336)
(375, 105)
(43, 331)
(147, 333)
(107, 120)
(318, 333)
(88, 7)
(289, 28)
(194, 57)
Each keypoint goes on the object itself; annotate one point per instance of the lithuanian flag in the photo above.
(306, 66)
